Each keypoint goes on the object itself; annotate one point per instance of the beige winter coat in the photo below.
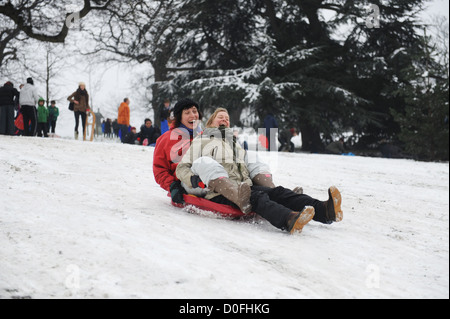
(83, 101)
(218, 145)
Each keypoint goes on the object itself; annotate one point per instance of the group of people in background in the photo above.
(147, 135)
(32, 118)
(23, 112)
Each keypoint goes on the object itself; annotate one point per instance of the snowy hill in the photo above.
(87, 220)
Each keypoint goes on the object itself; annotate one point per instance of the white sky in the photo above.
(437, 7)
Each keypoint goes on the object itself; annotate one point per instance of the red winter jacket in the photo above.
(169, 150)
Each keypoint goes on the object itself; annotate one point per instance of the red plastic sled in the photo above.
(207, 205)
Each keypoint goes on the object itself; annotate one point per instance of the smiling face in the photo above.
(222, 118)
(190, 117)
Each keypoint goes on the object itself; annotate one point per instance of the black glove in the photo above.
(176, 192)
(197, 182)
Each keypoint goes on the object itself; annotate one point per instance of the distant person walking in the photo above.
(80, 98)
(28, 100)
(123, 118)
(9, 98)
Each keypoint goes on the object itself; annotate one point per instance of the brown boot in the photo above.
(264, 180)
(333, 205)
(298, 220)
(238, 194)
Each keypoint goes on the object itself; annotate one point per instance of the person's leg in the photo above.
(10, 127)
(3, 120)
(278, 215)
(29, 115)
(39, 129)
(77, 120)
(26, 120)
(323, 212)
(45, 128)
(274, 213)
(216, 178)
(83, 121)
(52, 126)
(208, 169)
(33, 121)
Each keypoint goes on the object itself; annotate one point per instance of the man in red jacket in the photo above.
(172, 145)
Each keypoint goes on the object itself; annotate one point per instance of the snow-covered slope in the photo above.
(87, 220)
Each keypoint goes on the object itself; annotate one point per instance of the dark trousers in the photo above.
(42, 129)
(52, 126)
(79, 114)
(286, 145)
(29, 114)
(123, 132)
(275, 204)
(7, 120)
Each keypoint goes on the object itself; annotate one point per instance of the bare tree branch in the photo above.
(23, 18)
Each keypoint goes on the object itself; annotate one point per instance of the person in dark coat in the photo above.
(9, 97)
(130, 137)
(284, 137)
(336, 147)
(270, 123)
(108, 128)
(148, 132)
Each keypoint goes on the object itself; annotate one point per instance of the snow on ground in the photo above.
(87, 220)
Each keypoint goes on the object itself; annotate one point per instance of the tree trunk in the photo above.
(157, 95)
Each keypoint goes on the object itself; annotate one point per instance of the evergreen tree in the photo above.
(286, 59)
(424, 127)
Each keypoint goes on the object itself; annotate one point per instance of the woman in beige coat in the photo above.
(216, 160)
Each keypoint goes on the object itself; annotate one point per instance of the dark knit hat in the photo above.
(181, 105)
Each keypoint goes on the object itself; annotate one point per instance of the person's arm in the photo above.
(71, 97)
(162, 169)
(35, 96)
(184, 171)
